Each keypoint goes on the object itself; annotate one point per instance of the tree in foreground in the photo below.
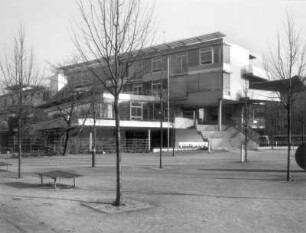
(284, 62)
(18, 73)
(109, 38)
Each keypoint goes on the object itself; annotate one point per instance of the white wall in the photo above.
(239, 58)
(57, 82)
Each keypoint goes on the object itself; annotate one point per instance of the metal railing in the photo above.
(254, 136)
(76, 145)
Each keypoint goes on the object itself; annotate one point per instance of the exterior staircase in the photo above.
(228, 139)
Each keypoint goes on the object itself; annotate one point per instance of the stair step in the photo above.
(229, 138)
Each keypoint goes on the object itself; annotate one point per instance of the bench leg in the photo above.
(74, 182)
(41, 179)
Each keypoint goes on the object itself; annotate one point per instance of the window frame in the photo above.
(155, 60)
(179, 66)
(139, 105)
(137, 89)
(206, 50)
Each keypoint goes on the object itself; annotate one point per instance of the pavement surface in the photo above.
(193, 192)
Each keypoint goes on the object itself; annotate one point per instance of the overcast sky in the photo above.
(252, 24)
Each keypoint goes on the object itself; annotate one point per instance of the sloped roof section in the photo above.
(158, 48)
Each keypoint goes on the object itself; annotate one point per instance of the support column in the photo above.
(220, 115)
(149, 139)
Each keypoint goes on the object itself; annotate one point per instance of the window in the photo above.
(217, 54)
(109, 111)
(259, 109)
(105, 111)
(206, 56)
(136, 110)
(137, 89)
(226, 54)
(180, 64)
(156, 64)
(156, 86)
(281, 125)
(137, 68)
(226, 84)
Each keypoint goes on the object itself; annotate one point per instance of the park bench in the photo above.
(58, 174)
(2, 164)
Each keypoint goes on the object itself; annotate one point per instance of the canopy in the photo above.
(298, 84)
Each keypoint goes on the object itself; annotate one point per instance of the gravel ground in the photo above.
(194, 192)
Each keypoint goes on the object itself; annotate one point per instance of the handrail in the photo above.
(254, 136)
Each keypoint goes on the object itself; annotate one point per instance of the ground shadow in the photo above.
(255, 179)
(247, 170)
(22, 185)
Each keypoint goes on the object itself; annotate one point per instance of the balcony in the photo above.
(126, 123)
(254, 73)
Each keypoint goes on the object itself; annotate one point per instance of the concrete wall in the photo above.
(57, 82)
(239, 57)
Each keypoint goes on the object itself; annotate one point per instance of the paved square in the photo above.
(195, 192)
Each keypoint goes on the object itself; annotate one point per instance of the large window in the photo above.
(226, 84)
(206, 56)
(156, 64)
(105, 111)
(180, 64)
(226, 54)
(136, 110)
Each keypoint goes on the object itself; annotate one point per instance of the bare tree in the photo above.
(18, 72)
(109, 38)
(284, 62)
(69, 104)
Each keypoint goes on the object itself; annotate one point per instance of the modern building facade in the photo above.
(203, 83)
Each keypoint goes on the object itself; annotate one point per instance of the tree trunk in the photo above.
(66, 142)
(161, 128)
(19, 130)
(94, 133)
(19, 147)
(118, 201)
(272, 139)
(303, 125)
(289, 137)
